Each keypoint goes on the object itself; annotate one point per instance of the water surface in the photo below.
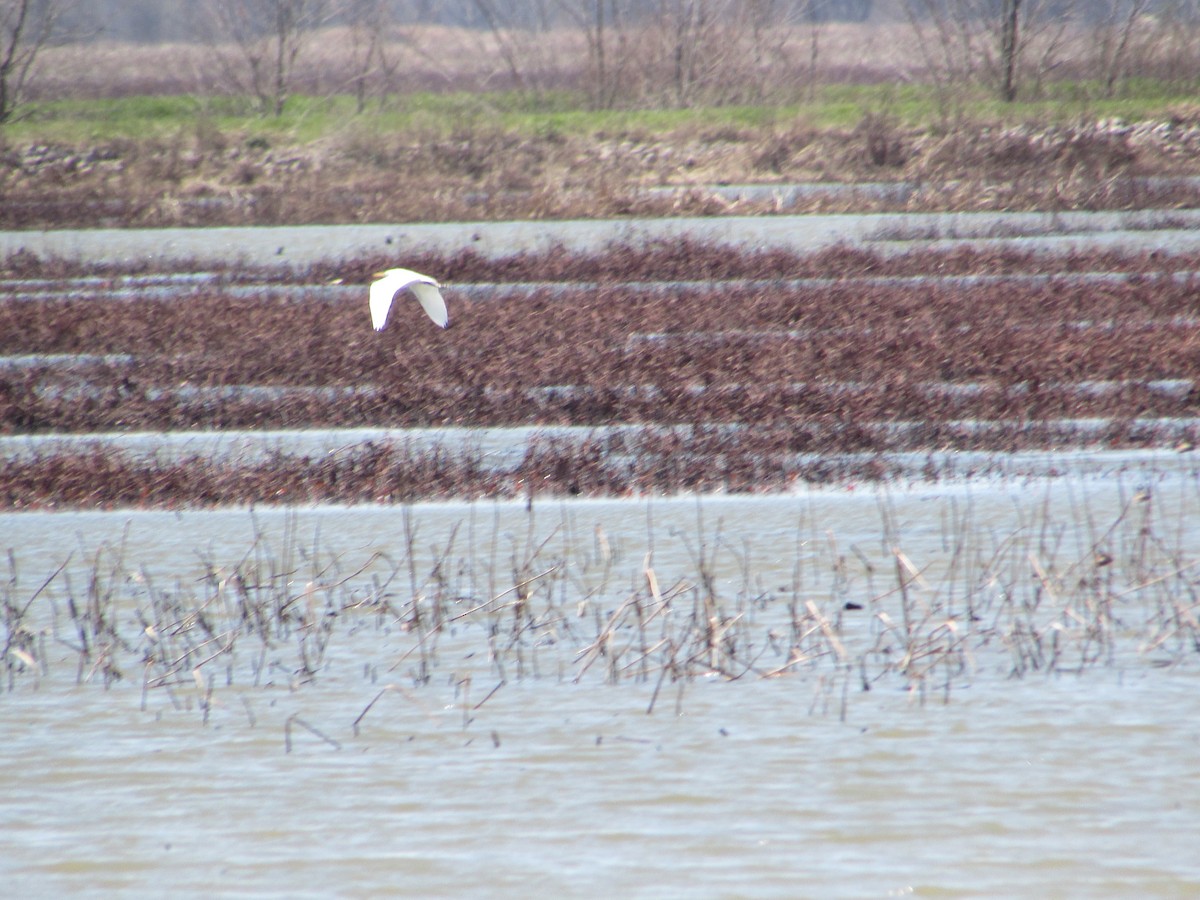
(505, 774)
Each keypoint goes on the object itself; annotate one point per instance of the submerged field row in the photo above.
(647, 388)
(887, 234)
(505, 445)
(825, 366)
(725, 345)
(617, 463)
(221, 323)
(203, 287)
(649, 262)
(124, 406)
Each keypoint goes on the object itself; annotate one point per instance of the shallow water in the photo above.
(501, 447)
(1066, 787)
(301, 246)
(501, 779)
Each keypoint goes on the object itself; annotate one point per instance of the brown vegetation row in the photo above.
(651, 261)
(612, 338)
(853, 366)
(797, 409)
(700, 459)
(757, 335)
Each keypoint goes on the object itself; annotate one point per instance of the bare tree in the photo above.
(996, 42)
(684, 52)
(1031, 42)
(686, 27)
(713, 46)
(811, 14)
(26, 26)
(1179, 24)
(720, 51)
(265, 37)
(1010, 23)
(503, 35)
(605, 30)
(523, 35)
(1117, 36)
(767, 24)
(367, 22)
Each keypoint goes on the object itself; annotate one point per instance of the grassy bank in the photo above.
(536, 114)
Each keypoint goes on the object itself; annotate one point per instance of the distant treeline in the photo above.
(151, 21)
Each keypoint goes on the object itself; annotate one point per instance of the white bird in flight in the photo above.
(424, 288)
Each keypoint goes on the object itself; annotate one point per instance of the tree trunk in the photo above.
(1009, 45)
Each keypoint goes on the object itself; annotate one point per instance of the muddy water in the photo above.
(301, 246)
(1067, 787)
(555, 781)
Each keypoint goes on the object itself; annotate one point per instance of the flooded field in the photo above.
(943, 689)
(1170, 230)
(672, 364)
(669, 569)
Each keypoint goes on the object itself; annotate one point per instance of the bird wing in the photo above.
(431, 301)
(384, 291)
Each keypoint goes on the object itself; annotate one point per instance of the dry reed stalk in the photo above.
(295, 719)
(827, 630)
(282, 607)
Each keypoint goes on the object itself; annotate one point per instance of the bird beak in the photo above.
(378, 274)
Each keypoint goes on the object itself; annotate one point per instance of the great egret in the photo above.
(424, 288)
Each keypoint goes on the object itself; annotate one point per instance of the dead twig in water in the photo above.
(287, 733)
